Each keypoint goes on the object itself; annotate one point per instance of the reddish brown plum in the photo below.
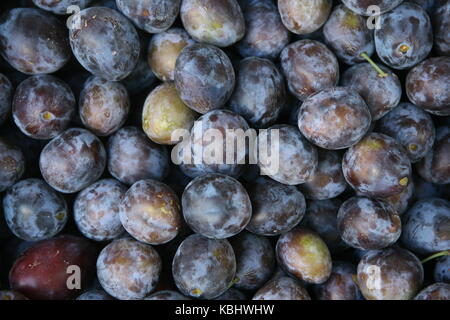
(43, 271)
(12, 164)
(34, 211)
(304, 17)
(347, 34)
(150, 212)
(435, 166)
(95, 295)
(204, 268)
(377, 166)
(6, 94)
(309, 66)
(277, 208)
(426, 226)
(217, 22)
(328, 181)
(368, 224)
(73, 160)
(43, 107)
(164, 50)
(101, 27)
(265, 35)
(381, 94)
(440, 18)
(167, 295)
(335, 118)
(153, 16)
(437, 291)
(297, 160)
(7, 295)
(303, 254)
(128, 269)
(255, 260)
(340, 285)
(282, 288)
(61, 6)
(412, 128)
(216, 206)
(104, 106)
(361, 6)
(133, 157)
(204, 77)
(260, 92)
(427, 86)
(321, 217)
(96, 210)
(33, 41)
(389, 274)
(207, 150)
(405, 37)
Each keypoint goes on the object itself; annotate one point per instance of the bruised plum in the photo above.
(12, 164)
(152, 16)
(282, 288)
(255, 260)
(389, 274)
(381, 93)
(305, 255)
(260, 92)
(128, 269)
(34, 211)
(104, 106)
(437, 291)
(441, 23)
(33, 41)
(361, 6)
(286, 156)
(426, 226)
(204, 268)
(217, 22)
(328, 181)
(73, 160)
(340, 285)
(164, 113)
(435, 166)
(304, 16)
(166, 295)
(133, 157)
(347, 34)
(43, 107)
(309, 66)
(265, 35)
(163, 51)
(427, 86)
(412, 128)
(207, 149)
(61, 6)
(377, 166)
(405, 37)
(6, 94)
(321, 217)
(204, 77)
(335, 118)
(216, 206)
(104, 42)
(150, 212)
(96, 210)
(368, 224)
(277, 208)
(43, 271)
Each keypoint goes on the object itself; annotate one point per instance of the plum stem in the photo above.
(374, 65)
(436, 255)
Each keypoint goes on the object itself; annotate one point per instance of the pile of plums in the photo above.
(100, 202)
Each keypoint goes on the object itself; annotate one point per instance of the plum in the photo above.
(340, 285)
(12, 164)
(361, 6)
(282, 288)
